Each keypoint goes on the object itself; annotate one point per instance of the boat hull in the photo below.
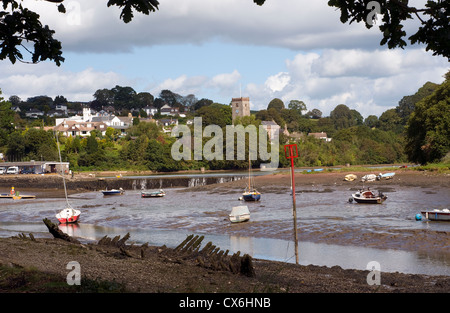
(69, 220)
(436, 215)
(239, 218)
(251, 196)
(377, 200)
(112, 192)
(68, 216)
(152, 194)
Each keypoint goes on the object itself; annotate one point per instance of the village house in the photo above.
(321, 135)
(34, 113)
(151, 111)
(168, 110)
(77, 128)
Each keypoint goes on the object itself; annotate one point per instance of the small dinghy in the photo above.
(239, 214)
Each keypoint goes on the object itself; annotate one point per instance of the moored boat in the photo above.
(239, 214)
(368, 196)
(112, 192)
(153, 194)
(68, 215)
(437, 215)
(251, 195)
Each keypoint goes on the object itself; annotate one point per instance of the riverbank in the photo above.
(106, 268)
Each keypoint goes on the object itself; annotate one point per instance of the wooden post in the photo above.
(291, 154)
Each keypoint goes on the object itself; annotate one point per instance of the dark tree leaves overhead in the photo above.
(434, 18)
(22, 32)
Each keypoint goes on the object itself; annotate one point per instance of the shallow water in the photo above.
(320, 209)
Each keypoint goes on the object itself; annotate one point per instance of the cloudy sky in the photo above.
(287, 49)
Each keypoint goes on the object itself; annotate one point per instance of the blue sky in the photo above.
(287, 49)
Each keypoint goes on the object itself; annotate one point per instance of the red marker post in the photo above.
(291, 152)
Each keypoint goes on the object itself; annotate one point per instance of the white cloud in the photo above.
(277, 82)
(44, 79)
(370, 82)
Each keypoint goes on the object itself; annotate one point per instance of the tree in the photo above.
(371, 121)
(342, 117)
(20, 26)
(314, 114)
(6, 120)
(434, 20)
(297, 105)
(428, 129)
(407, 103)
(276, 104)
(390, 121)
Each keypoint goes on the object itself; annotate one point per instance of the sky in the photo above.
(286, 49)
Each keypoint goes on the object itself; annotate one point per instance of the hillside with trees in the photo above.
(416, 130)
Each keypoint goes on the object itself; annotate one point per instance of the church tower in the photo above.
(240, 107)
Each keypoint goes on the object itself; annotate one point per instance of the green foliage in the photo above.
(428, 135)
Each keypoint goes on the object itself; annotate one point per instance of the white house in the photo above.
(320, 135)
(150, 110)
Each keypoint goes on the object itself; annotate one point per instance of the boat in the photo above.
(17, 196)
(350, 177)
(250, 193)
(368, 196)
(437, 215)
(153, 194)
(69, 214)
(239, 214)
(112, 192)
(369, 177)
(385, 176)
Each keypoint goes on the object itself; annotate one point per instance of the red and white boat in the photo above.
(68, 215)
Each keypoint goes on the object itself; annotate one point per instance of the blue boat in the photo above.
(251, 195)
(112, 192)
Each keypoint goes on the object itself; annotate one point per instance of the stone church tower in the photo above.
(240, 107)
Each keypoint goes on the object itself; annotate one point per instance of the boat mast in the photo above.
(62, 171)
